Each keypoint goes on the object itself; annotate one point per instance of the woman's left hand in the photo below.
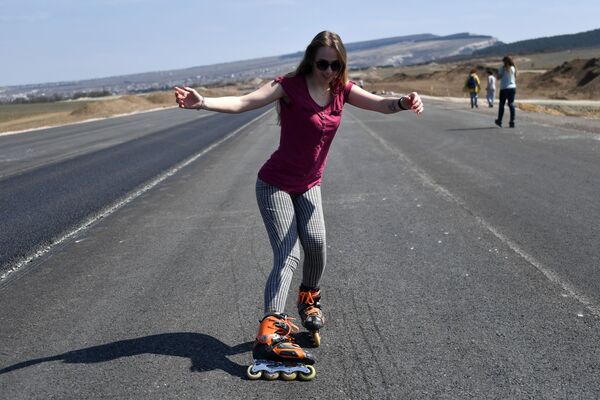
(188, 98)
(416, 105)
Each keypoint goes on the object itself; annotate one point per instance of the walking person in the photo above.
(491, 88)
(473, 85)
(310, 102)
(507, 74)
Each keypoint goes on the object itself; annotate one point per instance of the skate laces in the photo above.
(308, 298)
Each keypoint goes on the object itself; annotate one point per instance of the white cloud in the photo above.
(120, 2)
(267, 3)
(24, 18)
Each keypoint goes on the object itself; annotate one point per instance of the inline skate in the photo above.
(309, 308)
(276, 355)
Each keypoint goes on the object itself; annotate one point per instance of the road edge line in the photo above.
(552, 276)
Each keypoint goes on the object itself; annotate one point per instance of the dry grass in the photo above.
(17, 117)
(27, 116)
(559, 109)
(538, 108)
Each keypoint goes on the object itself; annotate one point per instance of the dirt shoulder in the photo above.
(571, 89)
(578, 114)
(17, 118)
(583, 124)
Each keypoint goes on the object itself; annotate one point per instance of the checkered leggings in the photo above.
(291, 220)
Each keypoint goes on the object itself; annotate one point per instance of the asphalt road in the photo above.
(463, 262)
(52, 180)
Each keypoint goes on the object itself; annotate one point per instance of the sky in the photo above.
(63, 40)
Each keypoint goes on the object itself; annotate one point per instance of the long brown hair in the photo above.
(325, 39)
(508, 61)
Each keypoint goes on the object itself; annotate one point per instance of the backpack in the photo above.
(471, 82)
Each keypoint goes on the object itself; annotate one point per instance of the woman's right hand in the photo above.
(187, 97)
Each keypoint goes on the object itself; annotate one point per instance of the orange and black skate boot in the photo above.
(309, 308)
(275, 353)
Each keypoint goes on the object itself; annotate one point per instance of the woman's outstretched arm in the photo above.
(361, 98)
(189, 98)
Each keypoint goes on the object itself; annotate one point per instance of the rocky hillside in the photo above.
(580, 78)
(577, 79)
(408, 52)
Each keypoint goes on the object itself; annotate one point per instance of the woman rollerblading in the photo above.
(310, 102)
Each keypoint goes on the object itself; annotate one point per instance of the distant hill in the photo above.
(577, 77)
(394, 51)
(373, 44)
(408, 50)
(588, 39)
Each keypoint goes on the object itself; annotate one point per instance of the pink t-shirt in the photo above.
(307, 130)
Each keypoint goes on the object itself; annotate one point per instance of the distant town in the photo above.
(397, 51)
(388, 52)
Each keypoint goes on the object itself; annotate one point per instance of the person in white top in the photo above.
(491, 88)
(507, 74)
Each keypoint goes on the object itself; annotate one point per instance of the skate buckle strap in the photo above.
(287, 328)
(291, 327)
(276, 329)
(285, 324)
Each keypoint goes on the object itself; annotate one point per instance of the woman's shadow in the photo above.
(205, 352)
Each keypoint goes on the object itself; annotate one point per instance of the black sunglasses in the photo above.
(324, 64)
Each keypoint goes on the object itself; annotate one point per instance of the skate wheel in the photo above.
(270, 376)
(316, 338)
(288, 377)
(310, 376)
(252, 375)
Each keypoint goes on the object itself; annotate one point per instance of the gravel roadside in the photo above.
(591, 125)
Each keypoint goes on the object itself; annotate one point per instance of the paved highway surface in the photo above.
(463, 259)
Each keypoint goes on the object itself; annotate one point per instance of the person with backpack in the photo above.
(472, 85)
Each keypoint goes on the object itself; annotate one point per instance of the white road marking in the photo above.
(116, 206)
